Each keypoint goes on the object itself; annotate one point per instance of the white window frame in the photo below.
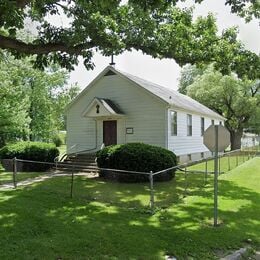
(202, 126)
(189, 125)
(174, 122)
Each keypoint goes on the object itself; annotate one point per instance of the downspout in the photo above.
(95, 134)
(167, 128)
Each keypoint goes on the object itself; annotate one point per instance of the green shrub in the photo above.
(56, 139)
(136, 157)
(34, 151)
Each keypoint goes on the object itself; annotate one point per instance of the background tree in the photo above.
(188, 75)
(14, 103)
(32, 101)
(158, 28)
(238, 101)
(254, 121)
(60, 100)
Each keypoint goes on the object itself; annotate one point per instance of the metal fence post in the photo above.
(186, 182)
(229, 168)
(216, 178)
(151, 192)
(206, 171)
(219, 159)
(72, 180)
(14, 171)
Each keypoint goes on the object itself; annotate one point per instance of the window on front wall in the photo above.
(173, 123)
(189, 125)
(202, 126)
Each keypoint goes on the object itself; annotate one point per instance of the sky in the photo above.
(166, 72)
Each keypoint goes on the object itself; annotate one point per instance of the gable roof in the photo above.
(174, 98)
(109, 108)
(169, 96)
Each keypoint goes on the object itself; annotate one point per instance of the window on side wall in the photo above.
(173, 123)
(189, 125)
(212, 122)
(202, 126)
(178, 159)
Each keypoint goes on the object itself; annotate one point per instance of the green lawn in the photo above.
(7, 177)
(226, 163)
(108, 220)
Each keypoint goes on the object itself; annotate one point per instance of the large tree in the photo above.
(32, 101)
(235, 99)
(14, 103)
(188, 75)
(156, 27)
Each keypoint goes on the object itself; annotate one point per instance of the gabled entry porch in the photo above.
(110, 121)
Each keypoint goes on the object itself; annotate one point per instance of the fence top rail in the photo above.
(125, 171)
(31, 161)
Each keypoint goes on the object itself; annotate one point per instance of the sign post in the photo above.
(216, 138)
(216, 178)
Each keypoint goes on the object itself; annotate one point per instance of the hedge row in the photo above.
(34, 151)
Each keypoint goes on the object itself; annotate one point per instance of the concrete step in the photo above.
(86, 155)
(77, 169)
(80, 162)
(75, 165)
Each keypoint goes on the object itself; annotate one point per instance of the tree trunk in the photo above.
(235, 139)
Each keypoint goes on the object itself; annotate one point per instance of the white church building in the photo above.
(118, 108)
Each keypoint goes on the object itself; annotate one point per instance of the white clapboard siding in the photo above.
(142, 112)
(183, 144)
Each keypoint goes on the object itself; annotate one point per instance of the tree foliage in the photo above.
(32, 101)
(14, 102)
(237, 100)
(158, 28)
(188, 76)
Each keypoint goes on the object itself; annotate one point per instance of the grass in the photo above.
(108, 220)
(226, 163)
(7, 177)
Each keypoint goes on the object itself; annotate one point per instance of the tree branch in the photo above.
(29, 48)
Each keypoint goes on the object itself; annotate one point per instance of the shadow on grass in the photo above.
(101, 222)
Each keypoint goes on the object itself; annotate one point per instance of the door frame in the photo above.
(116, 130)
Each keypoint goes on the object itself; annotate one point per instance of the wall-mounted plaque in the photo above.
(129, 130)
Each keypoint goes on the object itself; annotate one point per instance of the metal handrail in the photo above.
(88, 150)
(63, 156)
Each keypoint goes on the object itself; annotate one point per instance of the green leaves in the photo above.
(157, 28)
(237, 100)
(32, 101)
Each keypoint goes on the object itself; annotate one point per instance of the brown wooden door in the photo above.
(109, 132)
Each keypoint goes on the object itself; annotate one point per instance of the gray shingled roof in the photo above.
(110, 106)
(172, 97)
